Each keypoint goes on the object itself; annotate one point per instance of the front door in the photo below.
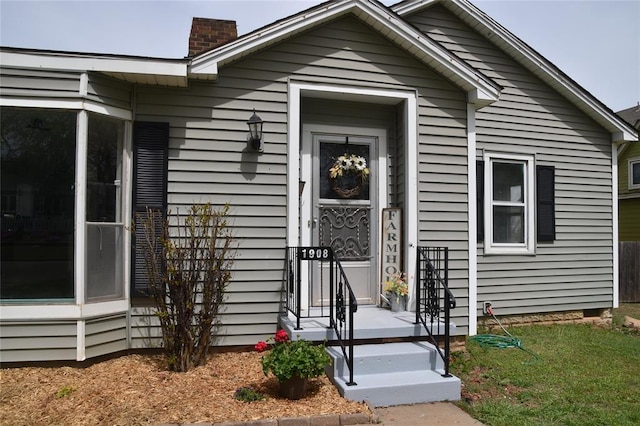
(344, 209)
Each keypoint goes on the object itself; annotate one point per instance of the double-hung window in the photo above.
(634, 173)
(509, 204)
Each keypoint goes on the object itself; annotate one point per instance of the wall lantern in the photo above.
(255, 131)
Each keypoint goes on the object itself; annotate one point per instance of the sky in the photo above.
(595, 42)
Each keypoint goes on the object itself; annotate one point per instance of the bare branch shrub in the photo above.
(188, 261)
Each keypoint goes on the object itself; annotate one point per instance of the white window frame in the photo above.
(77, 307)
(632, 162)
(528, 247)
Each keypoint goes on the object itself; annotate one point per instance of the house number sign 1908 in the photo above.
(314, 253)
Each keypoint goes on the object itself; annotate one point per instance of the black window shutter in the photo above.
(480, 199)
(150, 168)
(545, 193)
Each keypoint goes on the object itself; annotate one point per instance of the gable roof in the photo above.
(481, 90)
(526, 56)
(631, 115)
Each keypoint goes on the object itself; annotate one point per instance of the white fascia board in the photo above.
(406, 7)
(480, 98)
(481, 90)
(623, 137)
(537, 64)
(82, 63)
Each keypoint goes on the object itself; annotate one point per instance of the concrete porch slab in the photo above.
(370, 322)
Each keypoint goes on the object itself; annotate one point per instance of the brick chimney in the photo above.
(208, 33)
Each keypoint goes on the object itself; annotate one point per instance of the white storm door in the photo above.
(344, 214)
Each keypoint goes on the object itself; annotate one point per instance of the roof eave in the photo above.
(170, 72)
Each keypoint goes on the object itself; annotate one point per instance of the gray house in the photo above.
(482, 146)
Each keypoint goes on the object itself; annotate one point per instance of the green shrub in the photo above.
(248, 395)
(298, 358)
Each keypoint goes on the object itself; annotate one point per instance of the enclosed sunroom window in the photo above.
(38, 202)
(105, 227)
(44, 181)
(509, 204)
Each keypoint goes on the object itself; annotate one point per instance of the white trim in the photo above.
(293, 164)
(80, 340)
(84, 84)
(472, 202)
(614, 219)
(111, 111)
(127, 210)
(295, 91)
(411, 191)
(529, 206)
(630, 163)
(71, 104)
(80, 245)
(91, 310)
(35, 312)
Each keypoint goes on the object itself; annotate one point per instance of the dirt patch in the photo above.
(137, 390)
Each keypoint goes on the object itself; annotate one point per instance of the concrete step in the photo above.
(400, 388)
(393, 374)
(388, 358)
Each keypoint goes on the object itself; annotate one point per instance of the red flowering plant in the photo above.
(287, 358)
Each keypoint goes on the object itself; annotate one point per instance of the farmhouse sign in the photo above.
(391, 242)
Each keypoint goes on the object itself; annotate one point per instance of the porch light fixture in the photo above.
(255, 131)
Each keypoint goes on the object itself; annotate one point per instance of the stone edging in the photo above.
(324, 420)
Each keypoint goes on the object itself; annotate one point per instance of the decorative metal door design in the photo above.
(344, 205)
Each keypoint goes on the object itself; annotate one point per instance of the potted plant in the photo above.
(348, 175)
(292, 362)
(397, 290)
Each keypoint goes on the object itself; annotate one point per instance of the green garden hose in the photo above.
(501, 342)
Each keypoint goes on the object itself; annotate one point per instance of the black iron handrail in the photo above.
(434, 299)
(342, 301)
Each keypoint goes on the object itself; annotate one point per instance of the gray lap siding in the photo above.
(208, 160)
(576, 270)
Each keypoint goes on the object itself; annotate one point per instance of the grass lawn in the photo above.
(585, 376)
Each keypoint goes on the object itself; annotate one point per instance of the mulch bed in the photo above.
(137, 389)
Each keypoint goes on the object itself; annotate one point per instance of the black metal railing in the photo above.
(342, 301)
(434, 299)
